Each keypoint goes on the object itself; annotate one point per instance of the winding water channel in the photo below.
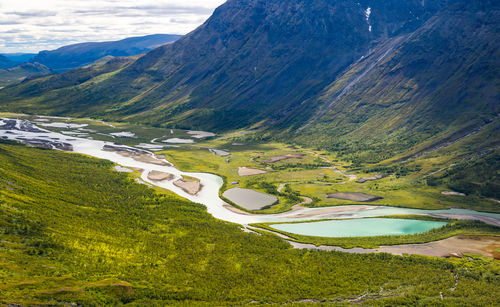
(27, 132)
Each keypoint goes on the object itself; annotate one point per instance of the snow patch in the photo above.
(368, 12)
(200, 134)
(123, 134)
(179, 141)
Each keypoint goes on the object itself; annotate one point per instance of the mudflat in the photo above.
(250, 199)
(136, 154)
(451, 247)
(245, 171)
(354, 196)
(284, 157)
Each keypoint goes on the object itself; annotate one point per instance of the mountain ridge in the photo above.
(81, 54)
(323, 74)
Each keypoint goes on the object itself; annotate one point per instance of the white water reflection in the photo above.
(24, 131)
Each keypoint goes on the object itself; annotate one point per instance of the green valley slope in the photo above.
(409, 78)
(250, 62)
(72, 231)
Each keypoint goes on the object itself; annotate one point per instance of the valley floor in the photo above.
(76, 232)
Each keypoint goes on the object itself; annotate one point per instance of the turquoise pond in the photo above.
(369, 227)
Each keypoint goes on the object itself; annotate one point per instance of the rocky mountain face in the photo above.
(441, 80)
(322, 72)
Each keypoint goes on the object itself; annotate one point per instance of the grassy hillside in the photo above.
(235, 72)
(429, 87)
(73, 231)
(426, 74)
(19, 73)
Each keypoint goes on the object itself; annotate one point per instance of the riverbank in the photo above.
(209, 194)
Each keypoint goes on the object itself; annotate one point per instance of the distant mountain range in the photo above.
(6, 63)
(77, 55)
(10, 60)
(15, 67)
(23, 71)
(379, 76)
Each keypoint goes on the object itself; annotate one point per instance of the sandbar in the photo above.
(354, 196)
(192, 187)
(245, 171)
(159, 176)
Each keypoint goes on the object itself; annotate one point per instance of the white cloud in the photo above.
(35, 25)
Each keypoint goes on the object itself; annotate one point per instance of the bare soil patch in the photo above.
(452, 193)
(451, 247)
(245, 171)
(354, 196)
(159, 176)
(275, 159)
(149, 159)
(136, 154)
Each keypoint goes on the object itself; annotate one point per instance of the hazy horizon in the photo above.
(30, 26)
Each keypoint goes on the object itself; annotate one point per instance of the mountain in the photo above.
(381, 78)
(19, 57)
(6, 63)
(77, 55)
(18, 73)
(430, 86)
(16, 67)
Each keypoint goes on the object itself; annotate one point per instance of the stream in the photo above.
(24, 131)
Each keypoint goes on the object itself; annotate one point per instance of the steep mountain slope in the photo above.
(249, 61)
(76, 79)
(375, 78)
(443, 80)
(77, 55)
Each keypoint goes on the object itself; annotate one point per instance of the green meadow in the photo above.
(319, 173)
(72, 231)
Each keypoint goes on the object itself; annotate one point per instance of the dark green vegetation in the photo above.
(417, 95)
(476, 177)
(290, 65)
(275, 58)
(19, 73)
(15, 68)
(454, 228)
(73, 231)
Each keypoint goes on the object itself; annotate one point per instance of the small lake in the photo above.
(24, 131)
(360, 227)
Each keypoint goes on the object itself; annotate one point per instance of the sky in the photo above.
(30, 26)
